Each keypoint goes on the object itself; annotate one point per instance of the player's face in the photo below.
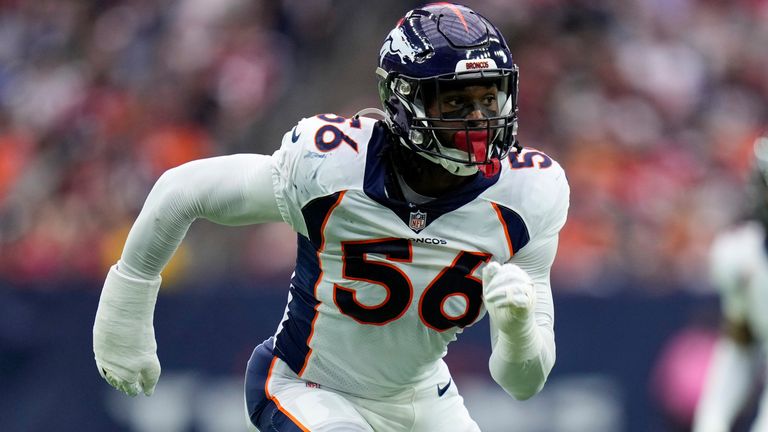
(474, 102)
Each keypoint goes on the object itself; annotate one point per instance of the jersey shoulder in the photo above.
(534, 185)
(329, 138)
(320, 156)
(325, 153)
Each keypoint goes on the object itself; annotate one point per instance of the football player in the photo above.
(409, 229)
(739, 267)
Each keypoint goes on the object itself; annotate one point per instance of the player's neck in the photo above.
(428, 178)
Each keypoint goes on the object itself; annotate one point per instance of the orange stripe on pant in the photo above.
(277, 402)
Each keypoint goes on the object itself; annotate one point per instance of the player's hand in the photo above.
(124, 343)
(508, 294)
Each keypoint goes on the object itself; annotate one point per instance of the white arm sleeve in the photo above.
(730, 379)
(229, 190)
(520, 363)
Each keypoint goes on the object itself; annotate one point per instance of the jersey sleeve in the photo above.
(552, 194)
(545, 215)
(228, 190)
(284, 169)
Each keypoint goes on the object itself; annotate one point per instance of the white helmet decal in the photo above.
(396, 43)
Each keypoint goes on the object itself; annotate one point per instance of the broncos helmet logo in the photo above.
(397, 43)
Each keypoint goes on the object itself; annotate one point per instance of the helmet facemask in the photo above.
(460, 143)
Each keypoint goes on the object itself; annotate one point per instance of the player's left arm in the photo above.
(518, 296)
(519, 301)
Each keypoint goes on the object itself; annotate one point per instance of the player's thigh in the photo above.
(278, 401)
(310, 409)
(434, 405)
(442, 411)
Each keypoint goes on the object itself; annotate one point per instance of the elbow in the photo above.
(526, 393)
(521, 380)
(171, 180)
(520, 389)
(168, 200)
(165, 186)
(175, 183)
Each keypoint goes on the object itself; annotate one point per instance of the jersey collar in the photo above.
(381, 186)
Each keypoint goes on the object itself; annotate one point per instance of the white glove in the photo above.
(123, 336)
(509, 296)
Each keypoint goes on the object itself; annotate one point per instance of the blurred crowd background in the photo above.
(650, 105)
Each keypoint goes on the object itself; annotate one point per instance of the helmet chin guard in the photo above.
(475, 143)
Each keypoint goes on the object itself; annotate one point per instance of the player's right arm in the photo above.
(229, 190)
(733, 369)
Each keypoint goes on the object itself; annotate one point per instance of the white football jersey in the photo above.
(382, 286)
(739, 265)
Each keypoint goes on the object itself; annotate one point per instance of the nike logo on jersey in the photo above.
(294, 136)
(441, 391)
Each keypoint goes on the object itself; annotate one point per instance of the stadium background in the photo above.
(650, 105)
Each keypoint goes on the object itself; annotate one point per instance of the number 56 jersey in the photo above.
(382, 286)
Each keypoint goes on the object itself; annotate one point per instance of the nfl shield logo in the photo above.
(418, 220)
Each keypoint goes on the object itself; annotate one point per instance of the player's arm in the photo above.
(733, 369)
(229, 190)
(731, 377)
(519, 301)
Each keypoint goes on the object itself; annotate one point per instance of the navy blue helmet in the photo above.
(432, 50)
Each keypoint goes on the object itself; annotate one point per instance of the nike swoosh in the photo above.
(294, 136)
(441, 391)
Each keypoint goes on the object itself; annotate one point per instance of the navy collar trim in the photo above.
(381, 186)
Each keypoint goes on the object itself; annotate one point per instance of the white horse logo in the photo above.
(397, 44)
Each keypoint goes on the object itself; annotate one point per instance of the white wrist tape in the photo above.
(123, 335)
(128, 298)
